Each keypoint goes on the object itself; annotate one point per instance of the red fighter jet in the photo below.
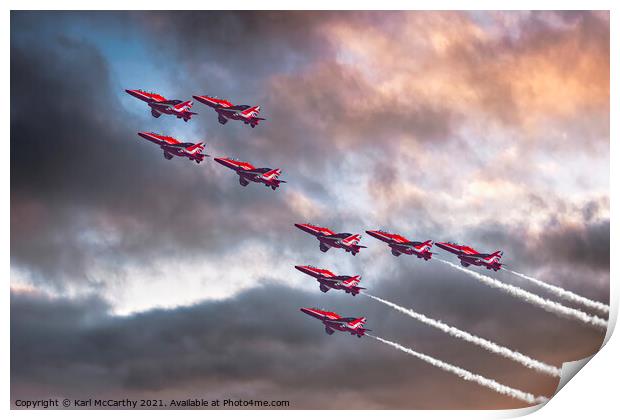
(401, 245)
(226, 110)
(470, 256)
(160, 105)
(329, 280)
(247, 172)
(333, 321)
(330, 239)
(172, 147)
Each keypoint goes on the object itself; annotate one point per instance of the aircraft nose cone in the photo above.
(302, 268)
(442, 245)
(219, 160)
(305, 310)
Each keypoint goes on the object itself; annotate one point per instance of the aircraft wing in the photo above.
(333, 280)
(160, 105)
(227, 111)
(340, 278)
(413, 243)
(247, 171)
(350, 319)
(400, 247)
(171, 102)
(475, 256)
(175, 146)
(339, 321)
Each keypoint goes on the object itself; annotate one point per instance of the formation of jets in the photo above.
(350, 284)
(226, 110)
(400, 245)
(269, 177)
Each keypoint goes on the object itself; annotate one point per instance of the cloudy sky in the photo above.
(133, 276)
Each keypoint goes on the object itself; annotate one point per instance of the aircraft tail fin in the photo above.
(195, 148)
(356, 323)
(272, 174)
(352, 281)
(494, 257)
(426, 246)
(352, 240)
(251, 112)
(184, 106)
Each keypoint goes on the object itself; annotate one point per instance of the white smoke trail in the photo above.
(481, 342)
(543, 303)
(467, 375)
(565, 294)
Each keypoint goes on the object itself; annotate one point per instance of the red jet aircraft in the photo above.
(329, 280)
(333, 321)
(247, 172)
(469, 256)
(160, 105)
(401, 245)
(226, 110)
(172, 147)
(329, 239)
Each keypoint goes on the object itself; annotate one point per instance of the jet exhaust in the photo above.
(467, 375)
(479, 341)
(546, 304)
(565, 294)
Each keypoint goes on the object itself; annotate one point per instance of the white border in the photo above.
(593, 394)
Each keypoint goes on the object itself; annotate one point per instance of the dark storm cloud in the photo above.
(246, 45)
(226, 347)
(317, 109)
(560, 242)
(85, 186)
(587, 245)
